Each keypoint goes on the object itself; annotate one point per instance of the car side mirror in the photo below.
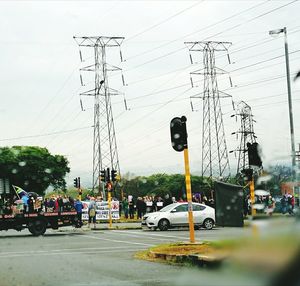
(173, 211)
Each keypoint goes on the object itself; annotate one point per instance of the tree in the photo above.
(33, 168)
(163, 184)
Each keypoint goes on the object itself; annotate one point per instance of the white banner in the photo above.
(102, 210)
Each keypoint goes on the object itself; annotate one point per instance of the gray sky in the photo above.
(40, 83)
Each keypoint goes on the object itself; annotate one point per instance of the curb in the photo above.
(98, 229)
(200, 260)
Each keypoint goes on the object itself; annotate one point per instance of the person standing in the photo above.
(25, 200)
(291, 203)
(131, 206)
(78, 207)
(168, 200)
(159, 204)
(139, 207)
(92, 212)
(283, 204)
(271, 205)
(125, 207)
(60, 203)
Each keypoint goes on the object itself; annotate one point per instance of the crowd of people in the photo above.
(142, 205)
(58, 203)
(131, 207)
(267, 204)
(287, 203)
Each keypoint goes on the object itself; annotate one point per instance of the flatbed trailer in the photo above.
(37, 223)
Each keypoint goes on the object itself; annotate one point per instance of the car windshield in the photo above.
(167, 208)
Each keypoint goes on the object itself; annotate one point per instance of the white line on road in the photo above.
(120, 241)
(125, 249)
(139, 235)
(154, 234)
(61, 250)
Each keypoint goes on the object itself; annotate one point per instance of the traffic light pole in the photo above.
(179, 144)
(109, 209)
(252, 197)
(189, 194)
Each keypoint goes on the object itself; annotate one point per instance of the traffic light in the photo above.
(102, 175)
(248, 174)
(109, 186)
(76, 182)
(107, 178)
(178, 133)
(113, 175)
(253, 155)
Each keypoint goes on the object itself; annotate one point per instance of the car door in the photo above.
(198, 213)
(179, 215)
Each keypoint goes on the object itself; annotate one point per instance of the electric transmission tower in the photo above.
(215, 162)
(245, 134)
(105, 153)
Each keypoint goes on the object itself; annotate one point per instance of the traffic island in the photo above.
(266, 256)
(201, 254)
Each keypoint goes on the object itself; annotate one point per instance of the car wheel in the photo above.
(208, 223)
(163, 224)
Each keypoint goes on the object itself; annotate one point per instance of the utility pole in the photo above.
(246, 134)
(215, 161)
(105, 153)
(288, 80)
(297, 174)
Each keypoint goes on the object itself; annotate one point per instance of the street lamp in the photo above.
(276, 32)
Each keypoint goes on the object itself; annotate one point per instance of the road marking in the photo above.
(120, 241)
(139, 235)
(154, 235)
(61, 249)
(125, 249)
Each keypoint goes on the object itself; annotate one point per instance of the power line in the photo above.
(163, 21)
(202, 29)
(264, 61)
(187, 84)
(219, 33)
(150, 113)
(255, 44)
(46, 134)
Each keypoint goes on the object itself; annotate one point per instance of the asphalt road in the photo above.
(103, 257)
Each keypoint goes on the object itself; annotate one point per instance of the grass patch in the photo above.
(173, 253)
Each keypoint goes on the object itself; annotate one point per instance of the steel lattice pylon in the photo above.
(246, 134)
(105, 153)
(215, 161)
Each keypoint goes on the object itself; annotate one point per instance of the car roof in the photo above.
(183, 203)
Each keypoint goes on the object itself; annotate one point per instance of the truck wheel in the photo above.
(37, 227)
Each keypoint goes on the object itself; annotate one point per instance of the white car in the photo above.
(177, 215)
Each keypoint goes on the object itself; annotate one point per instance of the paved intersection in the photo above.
(102, 257)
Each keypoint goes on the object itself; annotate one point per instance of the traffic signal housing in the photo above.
(178, 133)
(76, 182)
(107, 178)
(109, 187)
(103, 175)
(113, 175)
(248, 174)
(253, 154)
